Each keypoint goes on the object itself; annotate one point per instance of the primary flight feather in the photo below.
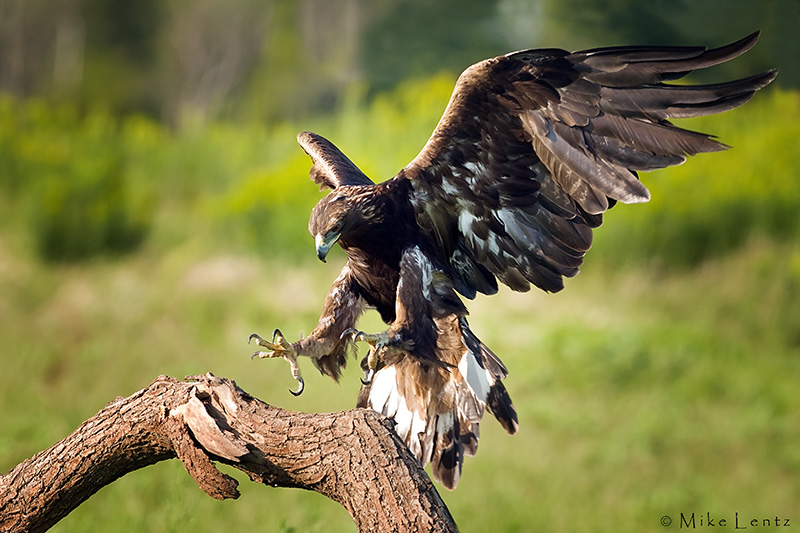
(532, 149)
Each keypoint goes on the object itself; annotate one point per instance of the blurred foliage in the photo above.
(69, 173)
(189, 60)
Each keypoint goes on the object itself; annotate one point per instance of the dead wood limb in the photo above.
(352, 457)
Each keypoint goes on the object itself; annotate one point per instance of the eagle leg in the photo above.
(280, 347)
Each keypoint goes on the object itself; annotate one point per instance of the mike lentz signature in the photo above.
(699, 520)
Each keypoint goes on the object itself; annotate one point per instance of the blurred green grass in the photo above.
(662, 380)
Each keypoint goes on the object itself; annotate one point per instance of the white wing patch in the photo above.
(449, 188)
(465, 221)
(425, 268)
(478, 378)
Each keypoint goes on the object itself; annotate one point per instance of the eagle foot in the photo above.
(376, 341)
(280, 347)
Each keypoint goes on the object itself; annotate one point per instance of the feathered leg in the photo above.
(326, 346)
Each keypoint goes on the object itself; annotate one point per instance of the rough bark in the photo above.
(352, 457)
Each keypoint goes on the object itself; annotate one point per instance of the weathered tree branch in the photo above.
(352, 457)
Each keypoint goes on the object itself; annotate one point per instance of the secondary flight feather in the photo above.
(533, 148)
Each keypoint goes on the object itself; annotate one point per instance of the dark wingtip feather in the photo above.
(729, 95)
(709, 58)
(759, 81)
(735, 49)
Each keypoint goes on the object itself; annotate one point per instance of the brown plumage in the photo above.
(533, 148)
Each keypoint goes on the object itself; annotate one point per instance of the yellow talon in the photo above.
(280, 347)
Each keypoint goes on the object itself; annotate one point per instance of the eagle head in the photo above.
(333, 217)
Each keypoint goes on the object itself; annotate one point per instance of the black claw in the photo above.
(300, 388)
(367, 379)
(352, 332)
(253, 336)
(254, 355)
(275, 334)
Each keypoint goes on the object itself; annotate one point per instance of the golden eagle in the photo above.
(533, 148)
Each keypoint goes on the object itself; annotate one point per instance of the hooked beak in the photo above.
(324, 245)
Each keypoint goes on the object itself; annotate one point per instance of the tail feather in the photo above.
(469, 439)
(437, 410)
(499, 404)
(448, 456)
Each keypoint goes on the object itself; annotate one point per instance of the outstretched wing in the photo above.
(535, 145)
(331, 167)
